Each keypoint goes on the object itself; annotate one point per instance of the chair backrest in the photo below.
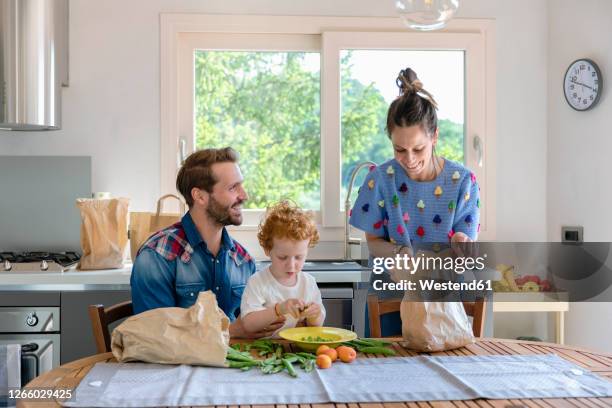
(100, 319)
(377, 308)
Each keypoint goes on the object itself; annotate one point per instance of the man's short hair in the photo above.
(196, 171)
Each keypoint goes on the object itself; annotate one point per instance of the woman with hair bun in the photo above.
(417, 199)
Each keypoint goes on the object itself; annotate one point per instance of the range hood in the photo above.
(33, 63)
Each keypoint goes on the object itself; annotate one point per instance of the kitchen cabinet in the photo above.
(76, 336)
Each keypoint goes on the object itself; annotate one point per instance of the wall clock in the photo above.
(582, 84)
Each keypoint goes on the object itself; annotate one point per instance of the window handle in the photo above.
(477, 143)
(182, 151)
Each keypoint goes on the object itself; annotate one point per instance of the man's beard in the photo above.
(220, 214)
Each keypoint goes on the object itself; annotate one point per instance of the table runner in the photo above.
(421, 378)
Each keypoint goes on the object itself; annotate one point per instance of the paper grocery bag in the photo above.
(103, 232)
(435, 326)
(198, 335)
(145, 224)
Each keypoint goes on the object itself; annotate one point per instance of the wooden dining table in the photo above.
(68, 376)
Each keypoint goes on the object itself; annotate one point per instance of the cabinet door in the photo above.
(77, 339)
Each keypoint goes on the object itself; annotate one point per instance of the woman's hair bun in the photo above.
(408, 82)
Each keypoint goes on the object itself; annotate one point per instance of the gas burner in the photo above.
(37, 261)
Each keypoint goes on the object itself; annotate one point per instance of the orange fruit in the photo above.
(346, 354)
(333, 354)
(322, 348)
(323, 361)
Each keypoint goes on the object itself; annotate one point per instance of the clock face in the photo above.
(582, 84)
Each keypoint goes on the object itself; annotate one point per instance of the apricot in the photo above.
(323, 361)
(333, 354)
(321, 349)
(346, 354)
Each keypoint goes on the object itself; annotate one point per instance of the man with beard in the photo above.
(197, 254)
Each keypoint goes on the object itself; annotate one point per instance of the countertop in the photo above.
(119, 279)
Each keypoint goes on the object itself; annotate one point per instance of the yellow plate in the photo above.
(332, 336)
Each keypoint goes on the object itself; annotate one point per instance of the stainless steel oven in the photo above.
(37, 329)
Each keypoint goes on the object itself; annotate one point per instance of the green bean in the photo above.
(291, 359)
(309, 356)
(289, 367)
(377, 350)
(240, 364)
(246, 368)
(238, 357)
(309, 365)
(277, 369)
(361, 342)
(377, 342)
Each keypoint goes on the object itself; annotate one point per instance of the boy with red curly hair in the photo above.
(282, 289)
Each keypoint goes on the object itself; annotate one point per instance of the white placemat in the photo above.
(365, 380)
(517, 376)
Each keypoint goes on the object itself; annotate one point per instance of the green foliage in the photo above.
(267, 106)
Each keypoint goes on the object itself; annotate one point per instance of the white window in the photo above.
(304, 99)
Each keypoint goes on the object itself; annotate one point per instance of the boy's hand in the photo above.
(292, 307)
(312, 311)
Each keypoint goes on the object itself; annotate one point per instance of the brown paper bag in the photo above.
(198, 335)
(103, 232)
(145, 224)
(435, 326)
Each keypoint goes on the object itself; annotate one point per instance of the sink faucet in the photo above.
(348, 241)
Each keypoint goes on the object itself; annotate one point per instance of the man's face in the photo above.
(225, 201)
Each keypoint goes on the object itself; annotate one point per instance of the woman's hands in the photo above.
(462, 245)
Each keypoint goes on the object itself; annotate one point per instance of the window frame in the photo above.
(181, 31)
(189, 42)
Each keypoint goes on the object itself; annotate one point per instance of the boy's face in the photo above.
(287, 258)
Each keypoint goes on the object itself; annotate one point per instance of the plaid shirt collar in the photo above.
(180, 239)
(194, 238)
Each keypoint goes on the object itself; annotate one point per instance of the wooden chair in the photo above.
(100, 319)
(377, 308)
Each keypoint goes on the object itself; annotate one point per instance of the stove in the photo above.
(37, 261)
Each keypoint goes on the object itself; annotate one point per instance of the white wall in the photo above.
(111, 109)
(579, 146)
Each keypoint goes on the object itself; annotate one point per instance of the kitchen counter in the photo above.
(119, 279)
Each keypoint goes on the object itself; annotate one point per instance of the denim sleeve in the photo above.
(152, 282)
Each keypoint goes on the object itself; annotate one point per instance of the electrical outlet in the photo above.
(572, 235)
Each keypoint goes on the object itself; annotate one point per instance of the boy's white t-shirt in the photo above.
(263, 291)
